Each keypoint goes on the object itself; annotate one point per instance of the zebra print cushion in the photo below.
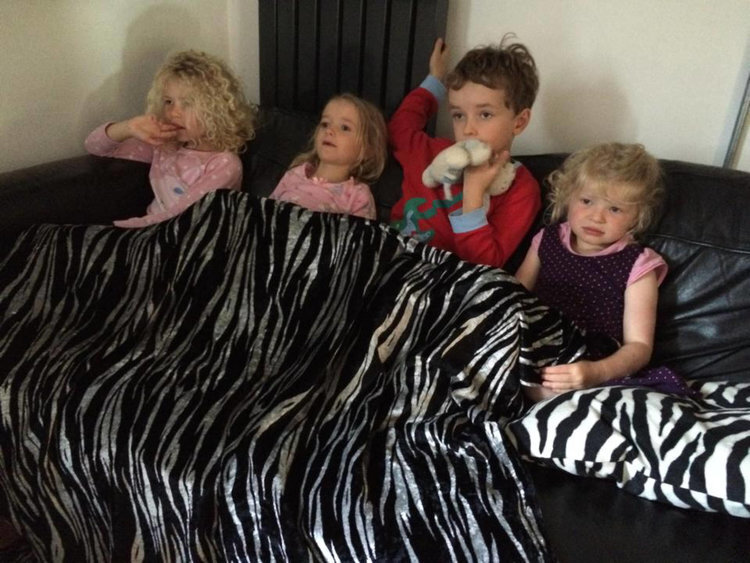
(254, 382)
(691, 453)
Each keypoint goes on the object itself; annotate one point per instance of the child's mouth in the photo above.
(592, 232)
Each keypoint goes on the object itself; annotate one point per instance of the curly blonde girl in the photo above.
(372, 136)
(629, 166)
(227, 119)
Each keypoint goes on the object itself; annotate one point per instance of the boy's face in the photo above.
(479, 112)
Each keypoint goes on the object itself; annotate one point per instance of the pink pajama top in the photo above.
(349, 197)
(179, 176)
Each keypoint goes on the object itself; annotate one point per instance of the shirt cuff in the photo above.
(434, 86)
(467, 222)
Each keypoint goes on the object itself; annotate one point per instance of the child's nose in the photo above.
(470, 129)
(597, 214)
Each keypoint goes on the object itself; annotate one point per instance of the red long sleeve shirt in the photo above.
(423, 212)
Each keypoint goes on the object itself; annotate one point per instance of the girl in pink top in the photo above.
(591, 268)
(196, 121)
(348, 151)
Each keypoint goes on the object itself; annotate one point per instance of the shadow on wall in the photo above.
(581, 113)
(155, 34)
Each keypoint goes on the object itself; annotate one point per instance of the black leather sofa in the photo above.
(702, 325)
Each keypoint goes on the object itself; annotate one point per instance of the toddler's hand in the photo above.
(439, 59)
(150, 130)
(578, 375)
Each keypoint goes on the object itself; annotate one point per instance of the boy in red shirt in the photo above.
(490, 94)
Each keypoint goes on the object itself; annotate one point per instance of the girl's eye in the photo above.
(167, 102)
(615, 210)
(485, 115)
(323, 125)
(346, 128)
(585, 200)
(457, 116)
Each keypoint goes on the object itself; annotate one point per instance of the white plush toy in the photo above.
(448, 166)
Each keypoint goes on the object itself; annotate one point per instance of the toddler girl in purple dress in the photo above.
(591, 268)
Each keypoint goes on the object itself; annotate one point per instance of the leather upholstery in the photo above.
(702, 326)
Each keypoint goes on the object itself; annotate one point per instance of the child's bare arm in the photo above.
(639, 323)
(529, 269)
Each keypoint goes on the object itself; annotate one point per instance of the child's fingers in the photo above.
(438, 58)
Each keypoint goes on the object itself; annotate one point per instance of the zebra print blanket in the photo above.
(255, 382)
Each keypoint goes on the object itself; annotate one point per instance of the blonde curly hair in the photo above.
(226, 117)
(628, 165)
(372, 135)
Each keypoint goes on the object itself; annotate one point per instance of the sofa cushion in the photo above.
(691, 453)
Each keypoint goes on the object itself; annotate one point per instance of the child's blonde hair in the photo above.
(598, 167)
(227, 119)
(507, 66)
(372, 135)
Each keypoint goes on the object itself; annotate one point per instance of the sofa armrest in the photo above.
(84, 189)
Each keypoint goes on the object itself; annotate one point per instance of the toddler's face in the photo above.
(337, 141)
(599, 218)
(479, 112)
(179, 110)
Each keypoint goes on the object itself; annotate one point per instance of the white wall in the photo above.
(667, 73)
(69, 65)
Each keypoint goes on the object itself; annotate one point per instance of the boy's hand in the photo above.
(439, 59)
(477, 180)
(150, 130)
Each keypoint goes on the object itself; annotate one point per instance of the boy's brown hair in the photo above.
(507, 66)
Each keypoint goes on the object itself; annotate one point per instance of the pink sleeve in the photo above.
(648, 261)
(536, 241)
(362, 203)
(284, 184)
(221, 173)
(99, 144)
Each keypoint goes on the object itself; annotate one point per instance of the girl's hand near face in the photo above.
(147, 128)
(477, 180)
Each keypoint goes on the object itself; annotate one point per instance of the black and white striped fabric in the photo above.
(690, 453)
(255, 382)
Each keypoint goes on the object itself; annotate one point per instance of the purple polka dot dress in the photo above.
(590, 290)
